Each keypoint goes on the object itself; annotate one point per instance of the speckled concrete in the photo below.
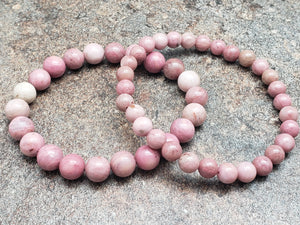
(78, 112)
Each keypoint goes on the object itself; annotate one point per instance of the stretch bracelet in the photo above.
(50, 157)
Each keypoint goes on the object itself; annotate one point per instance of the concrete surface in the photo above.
(78, 112)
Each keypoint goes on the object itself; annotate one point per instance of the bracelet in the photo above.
(50, 157)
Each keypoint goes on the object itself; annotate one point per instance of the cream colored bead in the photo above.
(16, 107)
(25, 91)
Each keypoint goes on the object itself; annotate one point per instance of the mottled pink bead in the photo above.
(133, 112)
(154, 62)
(125, 87)
(40, 79)
(97, 169)
(195, 113)
(276, 88)
(31, 143)
(148, 43)
(114, 52)
(156, 138)
(55, 66)
(123, 101)
(49, 157)
(188, 40)
(122, 164)
(129, 60)
(263, 165)
(246, 58)
(93, 53)
(139, 53)
(275, 153)
(246, 172)
(71, 167)
(259, 66)
(285, 141)
(290, 127)
(125, 73)
(202, 43)
(269, 76)
(20, 126)
(142, 126)
(187, 80)
(173, 68)
(174, 39)
(288, 113)
(231, 53)
(188, 162)
(73, 58)
(161, 41)
(217, 47)
(171, 150)
(208, 168)
(282, 100)
(196, 95)
(227, 173)
(147, 158)
(183, 129)
(171, 137)
(16, 107)
(130, 47)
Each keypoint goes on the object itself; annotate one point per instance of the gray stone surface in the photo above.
(78, 112)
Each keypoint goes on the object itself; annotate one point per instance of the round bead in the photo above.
(154, 62)
(208, 168)
(285, 141)
(31, 143)
(73, 58)
(171, 150)
(71, 167)
(196, 95)
(269, 76)
(290, 127)
(246, 58)
(259, 66)
(263, 165)
(156, 139)
(133, 112)
(49, 157)
(93, 53)
(122, 164)
(25, 91)
(288, 113)
(173, 68)
(171, 137)
(275, 153)
(188, 40)
(55, 66)
(16, 107)
(125, 87)
(276, 88)
(195, 113)
(148, 43)
(174, 39)
(114, 52)
(187, 80)
(129, 60)
(125, 73)
(123, 101)
(183, 129)
(217, 47)
(202, 43)
(161, 41)
(246, 172)
(282, 100)
(40, 79)
(146, 158)
(97, 169)
(231, 53)
(227, 173)
(130, 47)
(188, 162)
(20, 126)
(139, 53)
(142, 126)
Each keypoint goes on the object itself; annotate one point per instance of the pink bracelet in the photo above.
(147, 157)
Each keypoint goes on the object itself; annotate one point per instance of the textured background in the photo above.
(78, 112)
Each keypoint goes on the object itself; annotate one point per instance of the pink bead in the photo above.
(71, 167)
(139, 53)
(259, 66)
(196, 95)
(246, 58)
(227, 173)
(20, 126)
(55, 66)
(174, 39)
(188, 40)
(208, 168)
(97, 169)
(231, 53)
(133, 112)
(40, 79)
(275, 153)
(173, 68)
(154, 62)
(125, 73)
(129, 60)
(49, 157)
(161, 41)
(125, 87)
(114, 52)
(73, 58)
(183, 129)
(31, 143)
(263, 165)
(217, 47)
(288, 113)
(202, 43)
(142, 126)
(187, 80)
(285, 141)
(188, 162)
(171, 150)
(16, 107)
(195, 113)
(130, 47)
(147, 158)
(148, 43)
(156, 139)
(290, 127)
(246, 172)
(171, 137)
(123, 101)
(276, 88)
(93, 53)
(123, 164)
(282, 100)
(269, 76)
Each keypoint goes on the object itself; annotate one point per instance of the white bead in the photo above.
(188, 79)
(93, 53)
(16, 107)
(25, 91)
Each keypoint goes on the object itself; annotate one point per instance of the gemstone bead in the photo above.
(263, 165)
(97, 169)
(16, 107)
(123, 164)
(196, 95)
(171, 150)
(20, 126)
(142, 126)
(195, 113)
(31, 143)
(147, 158)
(49, 157)
(202, 43)
(188, 162)
(73, 58)
(183, 129)
(40, 79)
(208, 168)
(114, 52)
(25, 91)
(259, 66)
(173, 68)
(187, 80)
(156, 138)
(285, 141)
(93, 53)
(227, 173)
(154, 62)
(246, 58)
(246, 172)
(55, 66)
(71, 167)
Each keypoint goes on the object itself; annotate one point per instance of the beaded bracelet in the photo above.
(147, 157)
